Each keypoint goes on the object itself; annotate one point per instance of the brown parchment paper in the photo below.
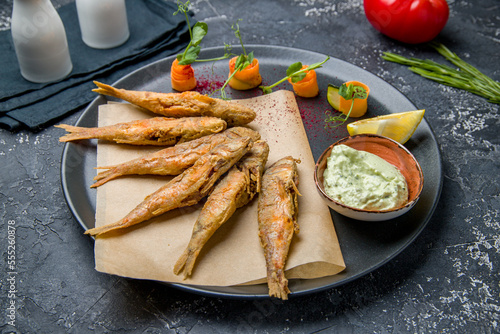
(233, 255)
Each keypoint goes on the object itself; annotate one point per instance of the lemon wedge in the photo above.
(399, 126)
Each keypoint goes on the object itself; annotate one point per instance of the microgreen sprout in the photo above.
(244, 59)
(350, 92)
(295, 72)
(196, 34)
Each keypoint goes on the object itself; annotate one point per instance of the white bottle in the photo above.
(40, 41)
(103, 23)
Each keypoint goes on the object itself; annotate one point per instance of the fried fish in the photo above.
(185, 104)
(277, 216)
(160, 131)
(236, 189)
(185, 189)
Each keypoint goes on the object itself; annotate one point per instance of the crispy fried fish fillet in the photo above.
(173, 160)
(160, 131)
(277, 215)
(235, 190)
(185, 189)
(186, 104)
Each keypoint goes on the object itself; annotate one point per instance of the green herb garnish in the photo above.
(350, 92)
(245, 59)
(466, 77)
(196, 34)
(295, 72)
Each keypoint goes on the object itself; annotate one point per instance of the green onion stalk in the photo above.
(465, 76)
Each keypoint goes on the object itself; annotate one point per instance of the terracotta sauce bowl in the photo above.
(389, 150)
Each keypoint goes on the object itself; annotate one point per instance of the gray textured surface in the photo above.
(447, 281)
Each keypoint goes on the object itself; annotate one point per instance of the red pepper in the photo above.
(408, 21)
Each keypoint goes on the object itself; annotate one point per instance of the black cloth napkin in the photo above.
(155, 33)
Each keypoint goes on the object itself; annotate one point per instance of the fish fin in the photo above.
(104, 177)
(180, 265)
(294, 186)
(105, 167)
(278, 286)
(96, 231)
(106, 89)
(75, 133)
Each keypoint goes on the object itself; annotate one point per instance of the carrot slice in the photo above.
(307, 87)
(360, 105)
(182, 77)
(246, 79)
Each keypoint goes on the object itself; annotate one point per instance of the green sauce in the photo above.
(363, 180)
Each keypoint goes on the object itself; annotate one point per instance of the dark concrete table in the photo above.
(446, 281)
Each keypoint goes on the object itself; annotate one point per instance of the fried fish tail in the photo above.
(185, 189)
(235, 190)
(138, 215)
(110, 90)
(276, 252)
(105, 89)
(185, 263)
(76, 133)
(277, 216)
(106, 176)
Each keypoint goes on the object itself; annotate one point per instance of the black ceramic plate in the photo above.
(365, 245)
